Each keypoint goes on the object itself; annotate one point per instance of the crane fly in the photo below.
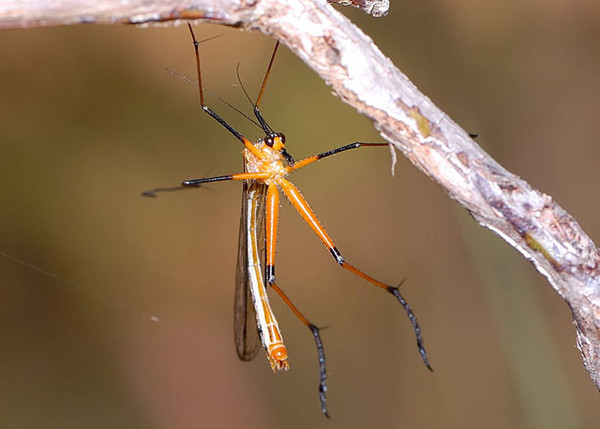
(266, 166)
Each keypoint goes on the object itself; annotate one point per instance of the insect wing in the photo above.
(246, 335)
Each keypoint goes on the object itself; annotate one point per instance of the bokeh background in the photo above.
(116, 310)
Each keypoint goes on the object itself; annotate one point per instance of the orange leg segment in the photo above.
(301, 205)
(321, 352)
(272, 212)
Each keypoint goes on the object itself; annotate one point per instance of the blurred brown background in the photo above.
(90, 119)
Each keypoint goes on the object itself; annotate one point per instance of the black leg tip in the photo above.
(415, 324)
(424, 357)
(322, 369)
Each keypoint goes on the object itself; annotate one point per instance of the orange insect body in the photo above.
(266, 159)
(266, 165)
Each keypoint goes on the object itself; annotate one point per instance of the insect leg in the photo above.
(301, 163)
(272, 211)
(301, 205)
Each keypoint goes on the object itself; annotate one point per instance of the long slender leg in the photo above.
(301, 163)
(152, 192)
(266, 128)
(239, 176)
(272, 213)
(195, 183)
(211, 112)
(320, 351)
(301, 205)
(267, 73)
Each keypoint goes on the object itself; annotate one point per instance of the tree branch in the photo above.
(348, 61)
(37, 13)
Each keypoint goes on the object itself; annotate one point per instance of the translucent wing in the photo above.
(246, 335)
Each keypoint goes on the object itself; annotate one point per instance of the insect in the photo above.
(266, 167)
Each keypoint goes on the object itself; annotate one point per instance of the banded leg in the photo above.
(301, 205)
(240, 176)
(320, 350)
(196, 183)
(301, 163)
(272, 212)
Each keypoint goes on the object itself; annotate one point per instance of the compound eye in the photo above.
(269, 141)
(282, 138)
